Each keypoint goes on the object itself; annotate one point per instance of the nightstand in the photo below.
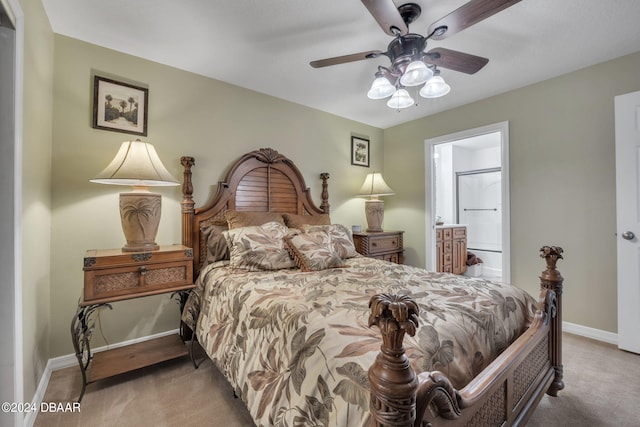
(385, 245)
(112, 275)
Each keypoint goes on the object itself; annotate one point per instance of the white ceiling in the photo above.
(266, 45)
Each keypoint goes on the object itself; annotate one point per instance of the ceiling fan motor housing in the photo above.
(404, 49)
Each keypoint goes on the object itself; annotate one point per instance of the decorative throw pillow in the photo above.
(341, 238)
(237, 219)
(313, 251)
(259, 247)
(297, 221)
(217, 248)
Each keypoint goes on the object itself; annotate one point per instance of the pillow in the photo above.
(237, 219)
(297, 221)
(313, 251)
(340, 238)
(217, 248)
(259, 247)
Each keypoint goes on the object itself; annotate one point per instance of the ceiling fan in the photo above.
(410, 64)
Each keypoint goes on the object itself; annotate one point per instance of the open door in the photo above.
(627, 112)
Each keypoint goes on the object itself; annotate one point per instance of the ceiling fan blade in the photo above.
(345, 58)
(387, 16)
(454, 60)
(465, 16)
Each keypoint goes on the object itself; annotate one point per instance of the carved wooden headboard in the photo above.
(260, 181)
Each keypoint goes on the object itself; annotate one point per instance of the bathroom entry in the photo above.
(467, 184)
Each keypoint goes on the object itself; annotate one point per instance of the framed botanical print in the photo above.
(119, 106)
(359, 151)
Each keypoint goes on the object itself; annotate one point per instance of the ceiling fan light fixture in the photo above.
(400, 99)
(435, 88)
(415, 74)
(381, 88)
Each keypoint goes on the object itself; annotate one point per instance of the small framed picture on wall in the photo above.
(119, 106)
(359, 151)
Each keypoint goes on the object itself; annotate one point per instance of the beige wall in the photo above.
(562, 178)
(188, 115)
(562, 175)
(36, 192)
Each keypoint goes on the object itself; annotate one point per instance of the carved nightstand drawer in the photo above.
(386, 245)
(383, 244)
(111, 275)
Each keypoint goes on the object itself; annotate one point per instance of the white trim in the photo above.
(14, 11)
(70, 360)
(430, 238)
(587, 332)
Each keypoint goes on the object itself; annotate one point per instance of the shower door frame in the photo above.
(467, 173)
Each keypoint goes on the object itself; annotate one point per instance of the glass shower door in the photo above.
(479, 205)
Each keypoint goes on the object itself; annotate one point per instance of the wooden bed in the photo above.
(506, 392)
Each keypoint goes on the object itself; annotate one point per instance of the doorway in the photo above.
(10, 292)
(467, 183)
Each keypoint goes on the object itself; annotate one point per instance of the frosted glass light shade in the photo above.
(136, 164)
(400, 99)
(415, 74)
(435, 88)
(380, 88)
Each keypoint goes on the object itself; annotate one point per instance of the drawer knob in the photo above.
(374, 244)
(143, 270)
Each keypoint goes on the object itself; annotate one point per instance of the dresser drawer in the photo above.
(114, 276)
(459, 232)
(447, 234)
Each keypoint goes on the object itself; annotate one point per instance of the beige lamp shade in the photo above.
(137, 164)
(374, 187)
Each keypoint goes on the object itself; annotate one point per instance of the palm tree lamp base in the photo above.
(140, 216)
(374, 209)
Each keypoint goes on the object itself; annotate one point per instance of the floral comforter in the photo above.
(296, 346)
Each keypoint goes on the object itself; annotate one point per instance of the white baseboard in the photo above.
(587, 332)
(69, 360)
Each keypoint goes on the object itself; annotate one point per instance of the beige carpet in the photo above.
(602, 389)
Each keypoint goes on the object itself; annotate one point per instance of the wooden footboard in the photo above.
(505, 393)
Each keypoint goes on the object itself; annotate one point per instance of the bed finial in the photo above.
(187, 201)
(552, 279)
(324, 176)
(393, 381)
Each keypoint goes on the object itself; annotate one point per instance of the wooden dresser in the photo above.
(451, 249)
(385, 245)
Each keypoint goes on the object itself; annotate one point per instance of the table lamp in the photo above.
(137, 164)
(374, 187)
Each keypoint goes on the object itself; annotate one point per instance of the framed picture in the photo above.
(359, 151)
(119, 107)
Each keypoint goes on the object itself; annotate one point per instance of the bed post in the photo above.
(187, 202)
(393, 382)
(552, 279)
(324, 206)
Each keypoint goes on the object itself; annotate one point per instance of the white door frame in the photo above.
(13, 9)
(430, 238)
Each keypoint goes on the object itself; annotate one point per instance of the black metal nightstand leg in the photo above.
(82, 326)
